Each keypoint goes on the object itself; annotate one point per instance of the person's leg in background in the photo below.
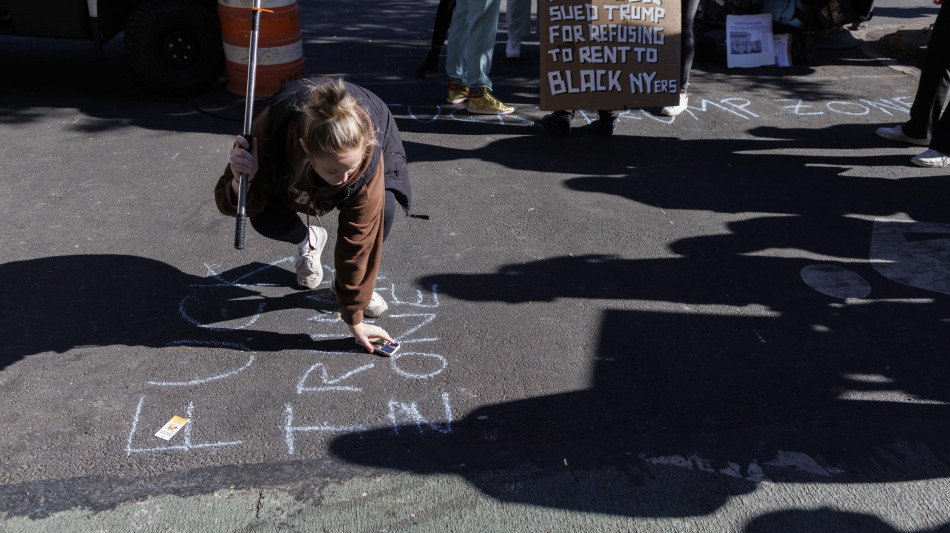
(687, 53)
(518, 23)
(483, 29)
(456, 66)
(929, 123)
(606, 121)
(557, 123)
(938, 115)
(932, 89)
(443, 18)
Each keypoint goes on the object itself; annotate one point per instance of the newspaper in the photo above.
(781, 46)
(749, 40)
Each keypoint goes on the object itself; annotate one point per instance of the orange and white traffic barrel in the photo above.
(280, 48)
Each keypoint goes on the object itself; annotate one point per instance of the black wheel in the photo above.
(174, 46)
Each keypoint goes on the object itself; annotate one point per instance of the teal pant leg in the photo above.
(472, 41)
(455, 65)
(518, 19)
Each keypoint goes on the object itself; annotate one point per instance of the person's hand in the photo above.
(365, 333)
(242, 160)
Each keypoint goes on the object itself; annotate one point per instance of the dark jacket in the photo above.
(360, 202)
(282, 113)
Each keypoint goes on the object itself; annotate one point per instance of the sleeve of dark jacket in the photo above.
(387, 133)
(359, 247)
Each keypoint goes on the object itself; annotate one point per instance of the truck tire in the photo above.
(174, 46)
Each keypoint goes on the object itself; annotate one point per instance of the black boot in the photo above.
(430, 68)
(606, 122)
(557, 123)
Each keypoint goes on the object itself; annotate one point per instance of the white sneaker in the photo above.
(307, 264)
(513, 50)
(897, 134)
(673, 110)
(377, 306)
(931, 158)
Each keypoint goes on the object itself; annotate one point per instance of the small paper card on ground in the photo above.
(172, 427)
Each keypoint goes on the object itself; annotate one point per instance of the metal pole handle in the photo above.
(241, 217)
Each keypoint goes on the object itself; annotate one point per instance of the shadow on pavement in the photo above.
(784, 383)
(821, 520)
(59, 303)
(837, 394)
(824, 360)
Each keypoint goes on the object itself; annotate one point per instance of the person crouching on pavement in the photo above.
(319, 145)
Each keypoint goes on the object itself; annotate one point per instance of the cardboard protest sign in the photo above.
(609, 54)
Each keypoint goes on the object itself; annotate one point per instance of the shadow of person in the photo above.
(58, 303)
(781, 170)
(824, 519)
(688, 409)
(688, 406)
(769, 380)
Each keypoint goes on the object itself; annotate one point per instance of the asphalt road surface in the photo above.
(734, 320)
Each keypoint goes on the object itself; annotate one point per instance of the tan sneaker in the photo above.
(307, 264)
(458, 93)
(377, 306)
(485, 103)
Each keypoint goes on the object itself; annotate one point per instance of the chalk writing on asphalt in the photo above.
(416, 311)
(699, 108)
(413, 310)
(186, 446)
(753, 471)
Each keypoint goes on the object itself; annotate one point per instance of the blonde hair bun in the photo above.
(332, 121)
